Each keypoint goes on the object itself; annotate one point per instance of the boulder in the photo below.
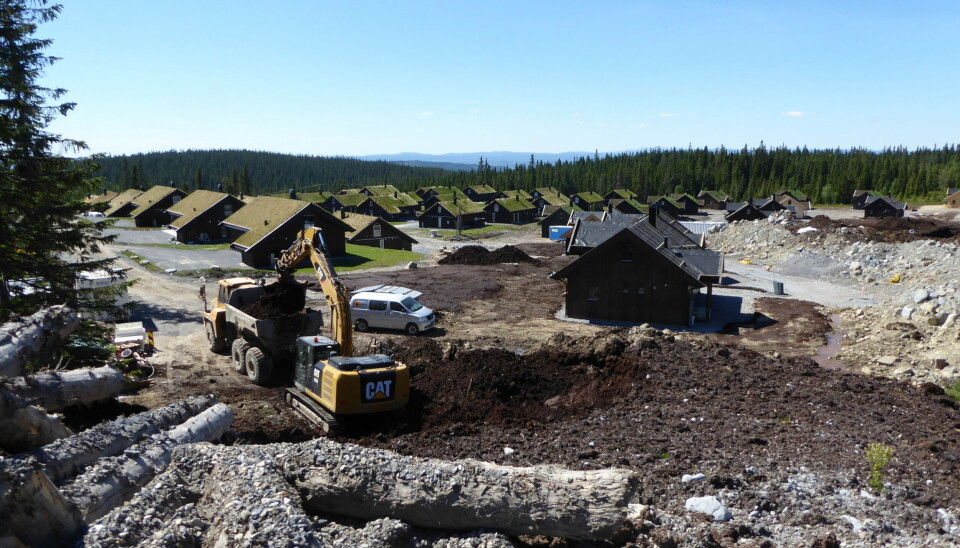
(709, 505)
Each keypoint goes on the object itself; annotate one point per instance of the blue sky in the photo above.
(354, 78)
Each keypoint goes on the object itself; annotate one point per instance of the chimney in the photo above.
(343, 213)
(652, 213)
(219, 187)
(104, 190)
(454, 197)
(241, 195)
(666, 243)
(293, 194)
(394, 193)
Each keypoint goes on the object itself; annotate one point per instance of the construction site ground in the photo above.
(779, 437)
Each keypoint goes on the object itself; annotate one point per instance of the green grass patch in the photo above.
(488, 231)
(137, 258)
(361, 257)
(953, 391)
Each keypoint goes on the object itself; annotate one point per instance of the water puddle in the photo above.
(824, 355)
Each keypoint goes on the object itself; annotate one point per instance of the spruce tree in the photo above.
(44, 240)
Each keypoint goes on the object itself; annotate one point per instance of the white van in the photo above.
(390, 307)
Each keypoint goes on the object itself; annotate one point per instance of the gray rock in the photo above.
(709, 505)
(920, 296)
(907, 311)
(887, 360)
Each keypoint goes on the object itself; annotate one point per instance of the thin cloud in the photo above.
(796, 113)
(668, 114)
(426, 114)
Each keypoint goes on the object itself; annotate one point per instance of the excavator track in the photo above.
(302, 403)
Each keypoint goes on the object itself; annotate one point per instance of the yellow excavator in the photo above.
(329, 382)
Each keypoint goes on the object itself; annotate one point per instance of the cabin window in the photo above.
(496, 208)
(227, 210)
(625, 287)
(593, 293)
(626, 254)
(308, 221)
(376, 230)
(176, 198)
(641, 289)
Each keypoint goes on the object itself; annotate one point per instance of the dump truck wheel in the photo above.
(238, 354)
(362, 325)
(259, 366)
(412, 329)
(215, 343)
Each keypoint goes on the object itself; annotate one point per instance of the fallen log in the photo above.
(113, 480)
(539, 500)
(33, 337)
(55, 390)
(66, 457)
(34, 513)
(24, 427)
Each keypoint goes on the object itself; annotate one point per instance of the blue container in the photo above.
(559, 233)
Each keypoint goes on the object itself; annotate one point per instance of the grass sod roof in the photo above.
(462, 206)
(263, 215)
(513, 193)
(513, 205)
(122, 199)
(396, 202)
(668, 199)
(149, 198)
(795, 193)
(637, 204)
(349, 200)
(193, 205)
(482, 189)
(381, 190)
(624, 193)
(357, 221)
(717, 195)
(589, 197)
(100, 198)
(553, 199)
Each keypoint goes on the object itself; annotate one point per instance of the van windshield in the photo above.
(411, 304)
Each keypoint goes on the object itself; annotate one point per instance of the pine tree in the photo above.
(44, 241)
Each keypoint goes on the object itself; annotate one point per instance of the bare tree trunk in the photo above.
(33, 337)
(55, 390)
(113, 480)
(468, 494)
(34, 513)
(64, 458)
(23, 426)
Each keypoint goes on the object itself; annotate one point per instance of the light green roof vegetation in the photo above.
(624, 193)
(122, 199)
(465, 206)
(523, 194)
(482, 189)
(194, 205)
(358, 221)
(315, 197)
(350, 200)
(513, 204)
(262, 216)
(381, 190)
(149, 198)
(590, 197)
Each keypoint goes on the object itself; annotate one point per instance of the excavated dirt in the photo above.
(642, 399)
(479, 255)
(891, 229)
(278, 299)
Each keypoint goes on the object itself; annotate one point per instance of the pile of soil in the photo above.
(892, 229)
(644, 400)
(278, 299)
(479, 255)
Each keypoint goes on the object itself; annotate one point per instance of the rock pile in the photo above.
(916, 324)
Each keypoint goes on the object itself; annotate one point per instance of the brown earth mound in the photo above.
(892, 229)
(479, 255)
(278, 299)
(643, 399)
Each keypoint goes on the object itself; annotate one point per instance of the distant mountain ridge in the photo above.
(469, 160)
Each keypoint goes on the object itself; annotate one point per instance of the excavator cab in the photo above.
(328, 386)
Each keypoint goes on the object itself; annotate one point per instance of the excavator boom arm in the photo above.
(310, 244)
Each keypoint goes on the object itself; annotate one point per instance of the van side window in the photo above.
(397, 307)
(378, 305)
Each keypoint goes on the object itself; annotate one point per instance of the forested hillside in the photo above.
(252, 172)
(828, 176)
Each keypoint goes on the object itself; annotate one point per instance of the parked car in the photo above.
(390, 307)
